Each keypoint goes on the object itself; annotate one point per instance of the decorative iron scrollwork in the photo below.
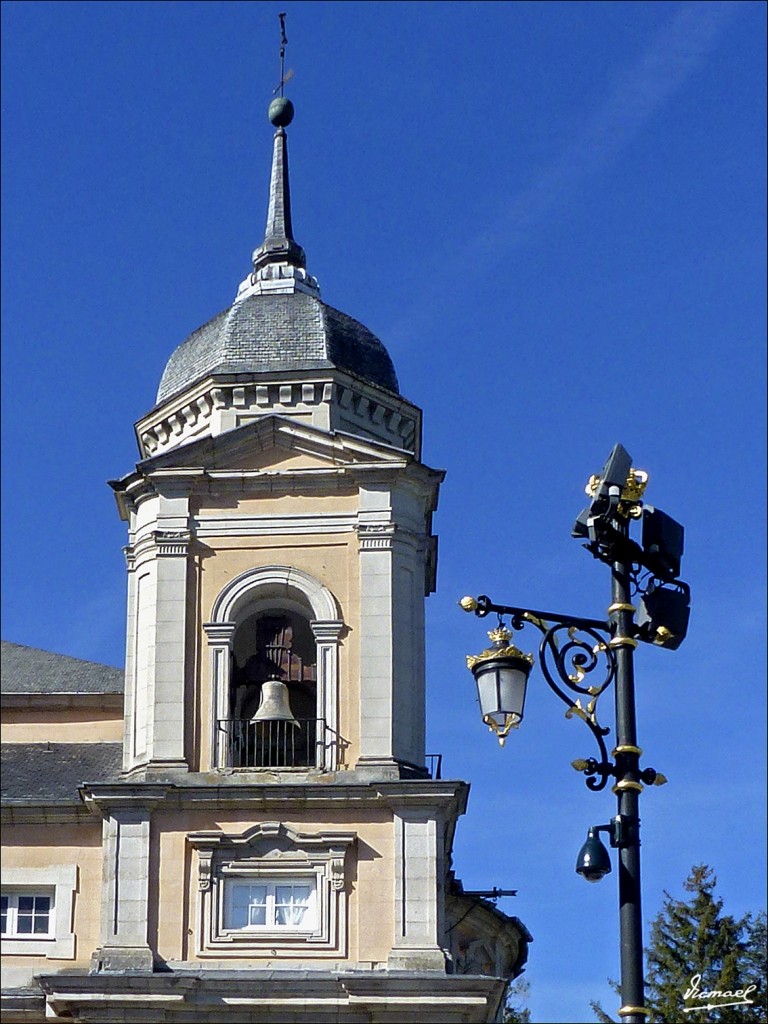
(569, 653)
(571, 649)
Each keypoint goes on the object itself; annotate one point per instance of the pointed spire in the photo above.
(279, 245)
(279, 264)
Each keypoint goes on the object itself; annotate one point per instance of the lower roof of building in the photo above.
(31, 670)
(53, 772)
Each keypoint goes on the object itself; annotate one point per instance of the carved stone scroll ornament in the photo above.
(205, 861)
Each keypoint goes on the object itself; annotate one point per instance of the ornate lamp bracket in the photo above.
(571, 649)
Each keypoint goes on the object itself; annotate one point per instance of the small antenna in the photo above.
(285, 76)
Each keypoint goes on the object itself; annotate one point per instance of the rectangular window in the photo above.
(27, 915)
(271, 904)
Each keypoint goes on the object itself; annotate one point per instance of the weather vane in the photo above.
(285, 76)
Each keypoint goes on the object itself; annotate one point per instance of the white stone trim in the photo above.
(270, 526)
(125, 895)
(220, 636)
(172, 542)
(278, 279)
(272, 850)
(230, 599)
(327, 638)
(62, 879)
(334, 401)
(376, 536)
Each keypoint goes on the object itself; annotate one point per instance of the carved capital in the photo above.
(326, 631)
(376, 536)
(172, 542)
(219, 633)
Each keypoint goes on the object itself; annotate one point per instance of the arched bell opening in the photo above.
(274, 625)
(273, 705)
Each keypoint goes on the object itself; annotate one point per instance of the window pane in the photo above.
(291, 894)
(246, 905)
(4, 915)
(24, 924)
(42, 904)
(291, 903)
(257, 914)
(26, 904)
(41, 924)
(290, 917)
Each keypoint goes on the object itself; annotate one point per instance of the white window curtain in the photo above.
(291, 904)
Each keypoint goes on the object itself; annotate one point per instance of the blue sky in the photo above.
(553, 215)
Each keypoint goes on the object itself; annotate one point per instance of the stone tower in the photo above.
(277, 843)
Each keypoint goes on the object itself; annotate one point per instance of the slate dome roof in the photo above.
(278, 322)
(278, 332)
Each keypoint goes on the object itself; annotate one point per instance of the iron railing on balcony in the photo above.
(274, 744)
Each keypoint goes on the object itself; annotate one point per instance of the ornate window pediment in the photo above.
(271, 891)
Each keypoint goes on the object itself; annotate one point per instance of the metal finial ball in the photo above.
(280, 112)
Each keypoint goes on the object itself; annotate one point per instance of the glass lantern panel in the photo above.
(512, 683)
(487, 690)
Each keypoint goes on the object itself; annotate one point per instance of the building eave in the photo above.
(29, 812)
(62, 701)
(258, 996)
(205, 792)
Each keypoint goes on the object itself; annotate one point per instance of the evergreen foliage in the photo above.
(514, 1013)
(696, 948)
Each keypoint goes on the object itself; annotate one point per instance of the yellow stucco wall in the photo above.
(332, 559)
(42, 846)
(174, 922)
(64, 725)
(277, 504)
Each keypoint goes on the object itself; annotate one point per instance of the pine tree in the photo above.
(694, 945)
(514, 1013)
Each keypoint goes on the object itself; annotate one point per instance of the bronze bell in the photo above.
(274, 705)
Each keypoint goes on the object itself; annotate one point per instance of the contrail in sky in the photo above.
(676, 51)
(674, 54)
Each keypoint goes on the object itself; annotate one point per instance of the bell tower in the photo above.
(280, 542)
(276, 809)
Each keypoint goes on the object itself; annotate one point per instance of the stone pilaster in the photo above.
(326, 635)
(376, 644)
(418, 901)
(220, 636)
(125, 892)
(170, 623)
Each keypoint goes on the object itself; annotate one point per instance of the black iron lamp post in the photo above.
(572, 648)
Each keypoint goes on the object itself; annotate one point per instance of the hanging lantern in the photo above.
(274, 705)
(501, 674)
